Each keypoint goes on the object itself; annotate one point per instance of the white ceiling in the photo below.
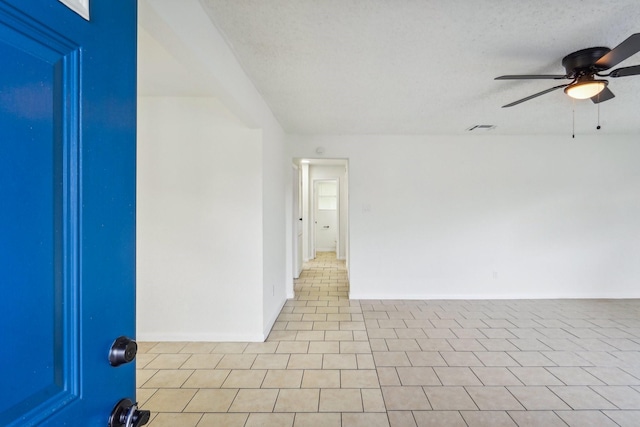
(426, 67)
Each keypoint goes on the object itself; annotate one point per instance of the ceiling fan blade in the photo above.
(605, 95)
(532, 77)
(625, 71)
(621, 52)
(535, 95)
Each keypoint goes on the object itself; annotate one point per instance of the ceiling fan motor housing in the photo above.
(583, 62)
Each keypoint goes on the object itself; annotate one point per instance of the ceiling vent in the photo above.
(481, 128)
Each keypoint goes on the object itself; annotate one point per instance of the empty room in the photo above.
(336, 213)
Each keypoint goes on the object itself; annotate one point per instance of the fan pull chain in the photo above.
(573, 118)
(598, 127)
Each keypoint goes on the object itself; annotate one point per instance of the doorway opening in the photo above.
(321, 215)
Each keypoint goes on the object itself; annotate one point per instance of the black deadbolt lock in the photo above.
(123, 350)
(127, 414)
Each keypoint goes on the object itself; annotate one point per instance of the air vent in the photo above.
(480, 128)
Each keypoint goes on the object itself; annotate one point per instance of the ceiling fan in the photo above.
(582, 68)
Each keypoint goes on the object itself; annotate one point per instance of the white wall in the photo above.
(490, 216)
(235, 260)
(199, 223)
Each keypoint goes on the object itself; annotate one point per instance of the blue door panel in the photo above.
(67, 213)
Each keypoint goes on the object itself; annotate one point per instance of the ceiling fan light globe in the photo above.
(586, 89)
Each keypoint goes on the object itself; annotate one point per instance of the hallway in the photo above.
(331, 362)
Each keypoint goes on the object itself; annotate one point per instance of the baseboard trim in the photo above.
(198, 337)
(366, 296)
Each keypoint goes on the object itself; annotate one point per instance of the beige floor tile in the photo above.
(494, 399)
(623, 418)
(487, 419)
(270, 361)
(168, 378)
(260, 348)
(622, 396)
(198, 347)
(166, 347)
(230, 347)
(143, 394)
(310, 336)
(491, 376)
(326, 326)
(169, 400)
(321, 379)
(571, 375)
(168, 361)
(275, 335)
(339, 361)
(172, 420)
(339, 336)
(359, 379)
(405, 398)
(438, 419)
(391, 359)
(372, 400)
(143, 359)
(204, 361)
(460, 358)
(449, 399)
(299, 326)
(143, 375)
(270, 420)
(365, 420)
(535, 376)
(355, 347)
(280, 378)
(613, 375)
(324, 347)
(404, 344)
(243, 378)
(352, 326)
(536, 419)
(365, 361)
(417, 376)
(293, 347)
(426, 358)
(495, 358)
(298, 400)
(222, 420)
(145, 346)
(340, 400)
(206, 378)
(388, 376)
(537, 398)
(211, 400)
(254, 400)
(586, 419)
(305, 361)
(456, 376)
(317, 420)
(229, 361)
(401, 419)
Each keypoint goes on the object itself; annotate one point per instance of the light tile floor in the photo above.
(331, 362)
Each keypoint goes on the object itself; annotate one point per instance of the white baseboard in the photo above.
(269, 324)
(197, 337)
(604, 295)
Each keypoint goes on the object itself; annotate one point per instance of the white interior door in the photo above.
(326, 215)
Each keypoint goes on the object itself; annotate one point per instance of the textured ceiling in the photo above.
(426, 67)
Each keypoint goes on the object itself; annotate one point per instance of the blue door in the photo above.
(67, 210)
